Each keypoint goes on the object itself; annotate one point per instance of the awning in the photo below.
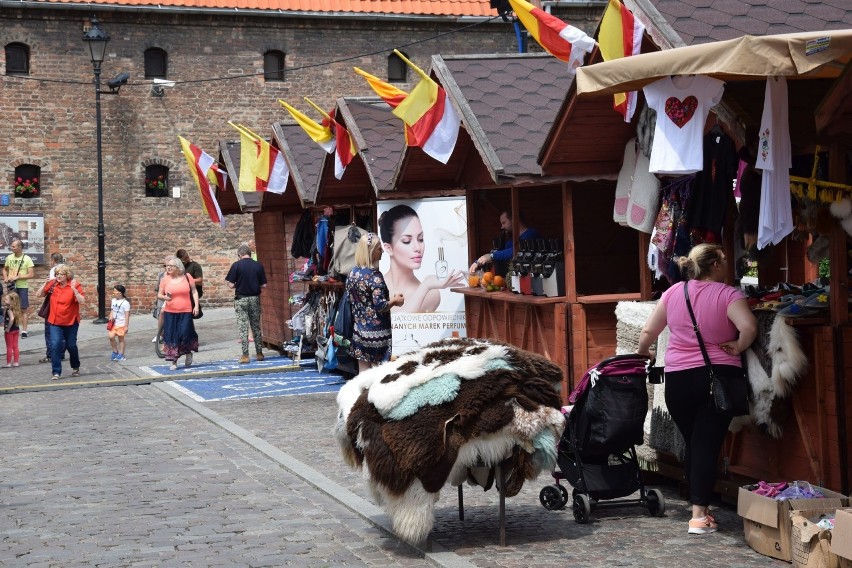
(808, 54)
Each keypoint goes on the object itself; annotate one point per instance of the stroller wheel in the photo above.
(582, 508)
(565, 496)
(551, 498)
(656, 503)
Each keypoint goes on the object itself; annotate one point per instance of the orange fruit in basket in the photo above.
(473, 281)
(488, 277)
(498, 281)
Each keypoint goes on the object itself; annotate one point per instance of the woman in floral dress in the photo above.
(371, 305)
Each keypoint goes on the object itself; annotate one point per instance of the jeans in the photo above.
(63, 337)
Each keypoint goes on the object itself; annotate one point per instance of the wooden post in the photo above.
(645, 280)
(568, 243)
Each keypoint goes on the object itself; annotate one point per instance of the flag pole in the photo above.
(322, 112)
(417, 69)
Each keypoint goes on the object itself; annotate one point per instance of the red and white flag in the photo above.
(199, 163)
(436, 129)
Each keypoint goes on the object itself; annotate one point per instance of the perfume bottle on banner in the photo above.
(441, 265)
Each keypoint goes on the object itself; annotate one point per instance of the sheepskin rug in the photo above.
(433, 415)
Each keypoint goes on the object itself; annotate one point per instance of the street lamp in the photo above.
(97, 40)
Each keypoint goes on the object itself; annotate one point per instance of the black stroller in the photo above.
(597, 453)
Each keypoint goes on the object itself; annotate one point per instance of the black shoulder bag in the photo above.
(728, 391)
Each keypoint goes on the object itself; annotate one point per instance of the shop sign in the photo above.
(428, 251)
(29, 228)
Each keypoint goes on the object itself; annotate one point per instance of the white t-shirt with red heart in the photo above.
(682, 104)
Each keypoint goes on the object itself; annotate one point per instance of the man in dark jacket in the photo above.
(246, 278)
(192, 268)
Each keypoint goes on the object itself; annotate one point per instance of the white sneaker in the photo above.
(154, 340)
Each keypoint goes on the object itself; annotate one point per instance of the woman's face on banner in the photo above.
(407, 246)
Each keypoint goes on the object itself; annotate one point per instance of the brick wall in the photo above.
(51, 122)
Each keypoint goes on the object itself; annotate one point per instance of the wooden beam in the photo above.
(568, 243)
(838, 301)
(645, 281)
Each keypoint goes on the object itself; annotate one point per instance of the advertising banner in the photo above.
(425, 254)
(29, 228)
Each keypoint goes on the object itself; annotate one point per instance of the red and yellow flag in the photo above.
(558, 38)
(620, 35)
(436, 132)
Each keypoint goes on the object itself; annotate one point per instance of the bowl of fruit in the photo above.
(492, 282)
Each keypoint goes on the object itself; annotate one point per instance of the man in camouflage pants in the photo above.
(246, 278)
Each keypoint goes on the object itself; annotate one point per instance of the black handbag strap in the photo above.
(191, 298)
(695, 327)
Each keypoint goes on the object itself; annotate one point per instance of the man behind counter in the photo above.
(506, 253)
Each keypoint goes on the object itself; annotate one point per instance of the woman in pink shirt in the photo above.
(177, 290)
(728, 328)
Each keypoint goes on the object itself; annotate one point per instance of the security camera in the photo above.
(159, 86)
(116, 82)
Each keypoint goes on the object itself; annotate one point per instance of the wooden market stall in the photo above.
(814, 444)
(271, 213)
(507, 104)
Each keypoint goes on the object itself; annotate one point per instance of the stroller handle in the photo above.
(627, 357)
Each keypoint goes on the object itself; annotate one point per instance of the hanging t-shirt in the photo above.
(774, 157)
(682, 104)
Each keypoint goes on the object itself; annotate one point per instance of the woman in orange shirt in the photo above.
(66, 295)
(177, 290)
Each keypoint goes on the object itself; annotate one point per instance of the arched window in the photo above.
(27, 181)
(273, 65)
(17, 59)
(156, 63)
(397, 69)
(156, 181)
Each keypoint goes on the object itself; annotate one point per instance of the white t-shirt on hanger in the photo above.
(682, 104)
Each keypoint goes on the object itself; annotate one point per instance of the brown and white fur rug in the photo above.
(432, 415)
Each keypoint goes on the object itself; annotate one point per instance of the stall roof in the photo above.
(382, 135)
(705, 21)
(808, 55)
(304, 157)
(507, 104)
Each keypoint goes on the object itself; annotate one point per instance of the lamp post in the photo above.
(97, 40)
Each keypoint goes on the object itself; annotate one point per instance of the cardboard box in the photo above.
(810, 544)
(766, 522)
(841, 538)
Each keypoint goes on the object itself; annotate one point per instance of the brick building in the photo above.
(224, 63)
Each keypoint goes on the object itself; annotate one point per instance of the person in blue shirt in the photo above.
(506, 253)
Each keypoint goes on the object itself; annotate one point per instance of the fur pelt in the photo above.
(495, 404)
(645, 127)
(774, 362)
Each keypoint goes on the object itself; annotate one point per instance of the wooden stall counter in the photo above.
(535, 323)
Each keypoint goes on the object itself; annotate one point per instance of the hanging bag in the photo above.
(729, 392)
(44, 310)
(192, 301)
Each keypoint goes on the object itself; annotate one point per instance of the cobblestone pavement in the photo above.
(135, 476)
